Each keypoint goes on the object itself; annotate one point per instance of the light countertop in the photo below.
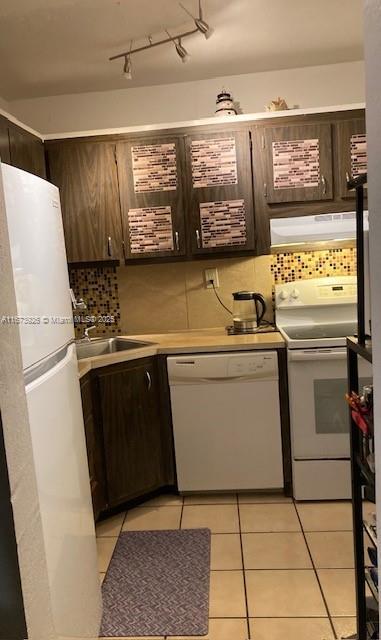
(197, 341)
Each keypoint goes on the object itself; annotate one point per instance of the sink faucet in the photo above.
(87, 331)
(77, 304)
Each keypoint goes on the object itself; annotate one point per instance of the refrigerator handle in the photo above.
(51, 364)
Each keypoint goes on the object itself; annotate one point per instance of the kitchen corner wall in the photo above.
(162, 297)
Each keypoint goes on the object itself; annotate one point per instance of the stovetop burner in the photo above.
(316, 332)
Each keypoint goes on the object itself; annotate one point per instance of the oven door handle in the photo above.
(316, 354)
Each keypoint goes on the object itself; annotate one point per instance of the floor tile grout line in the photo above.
(243, 573)
(316, 574)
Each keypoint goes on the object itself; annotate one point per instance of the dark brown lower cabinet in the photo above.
(94, 444)
(128, 431)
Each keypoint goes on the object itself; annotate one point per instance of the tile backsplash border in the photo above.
(287, 267)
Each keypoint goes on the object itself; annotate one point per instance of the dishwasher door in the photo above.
(226, 421)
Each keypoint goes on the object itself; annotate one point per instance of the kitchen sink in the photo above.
(102, 346)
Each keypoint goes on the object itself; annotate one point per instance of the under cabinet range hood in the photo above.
(323, 231)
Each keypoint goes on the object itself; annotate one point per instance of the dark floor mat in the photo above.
(157, 584)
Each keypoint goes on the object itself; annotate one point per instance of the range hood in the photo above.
(327, 230)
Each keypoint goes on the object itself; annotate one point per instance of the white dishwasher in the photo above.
(226, 421)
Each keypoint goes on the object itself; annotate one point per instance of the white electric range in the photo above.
(315, 317)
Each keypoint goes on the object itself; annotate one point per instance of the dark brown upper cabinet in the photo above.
(26, 151)
(297, 163)
(352, 152)
(150, 174)
(219, 192)
(86, 174)
(5, 155)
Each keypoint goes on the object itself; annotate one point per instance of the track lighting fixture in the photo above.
(201, 25)
(127, 68)
(181, 51)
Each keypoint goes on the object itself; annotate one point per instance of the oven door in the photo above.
(318, 410)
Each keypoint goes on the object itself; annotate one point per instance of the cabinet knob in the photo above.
(109, 246)
(177, 243)
(324, 184)
(149, 380)
(198, 239)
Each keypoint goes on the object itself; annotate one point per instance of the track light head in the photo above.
(203, 27)
(182, 52)
(127, 67)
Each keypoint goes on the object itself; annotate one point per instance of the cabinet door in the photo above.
(130, 410)
(86, 175)
(352, 152)
(297, 162)
(219, 192)
(26, 151)
(151, 191)
(5, 156)
(94, 445)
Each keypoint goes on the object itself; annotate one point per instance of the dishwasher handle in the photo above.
(221, 379)
(222, 367)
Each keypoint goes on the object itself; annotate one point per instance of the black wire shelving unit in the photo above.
(362, 446)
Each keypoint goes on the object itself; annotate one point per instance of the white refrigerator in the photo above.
(54, 408)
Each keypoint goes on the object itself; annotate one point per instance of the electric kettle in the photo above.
(248, 311)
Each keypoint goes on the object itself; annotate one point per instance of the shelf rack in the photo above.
(363, 477)
(363, 487)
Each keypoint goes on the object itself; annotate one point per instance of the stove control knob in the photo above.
(295, 294)
(283, 295)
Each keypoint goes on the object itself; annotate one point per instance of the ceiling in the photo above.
(51, 47)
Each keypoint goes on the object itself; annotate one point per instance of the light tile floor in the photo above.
(279, 570)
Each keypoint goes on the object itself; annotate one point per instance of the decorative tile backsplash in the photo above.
(98, 286)
(223, 223)
(287, 267)
(154, 167)
(296, 163)
(214, 162)
(359, 160)
(150, 229)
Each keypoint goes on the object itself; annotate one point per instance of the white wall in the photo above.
(306, 87)
(373, 117)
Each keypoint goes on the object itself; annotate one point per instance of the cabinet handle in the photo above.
(347, 177)
(324, 184)
(264, 190)
(149, 380)
(198, 240)
(109, 246)
(177, 243)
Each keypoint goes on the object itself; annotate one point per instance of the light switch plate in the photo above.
(211, 274)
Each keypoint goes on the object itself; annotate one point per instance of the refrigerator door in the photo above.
(39, 263)
(59, 450)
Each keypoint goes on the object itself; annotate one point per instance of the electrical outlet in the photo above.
(211, 274)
